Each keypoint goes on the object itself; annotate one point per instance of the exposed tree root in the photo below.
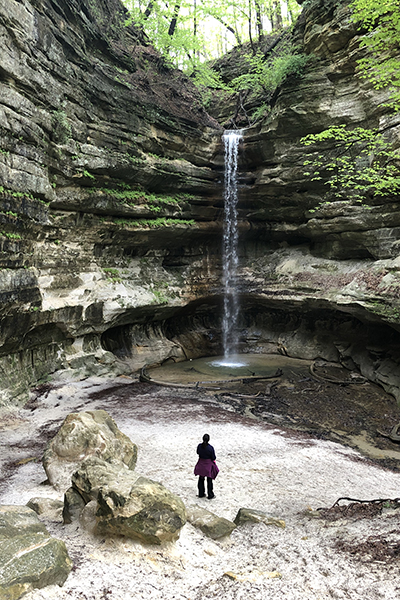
(394, 436)
(360, 509)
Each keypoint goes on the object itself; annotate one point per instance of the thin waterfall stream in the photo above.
(231, 139)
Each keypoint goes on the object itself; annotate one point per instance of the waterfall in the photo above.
(231, 141)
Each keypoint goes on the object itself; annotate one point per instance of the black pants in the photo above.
(200, 485)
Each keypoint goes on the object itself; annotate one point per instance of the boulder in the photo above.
(73, 505)
(91, 433)
(30, 558)
(48, 507)
(95, 473)
(250, 515)
(210, 524)
(129, 504)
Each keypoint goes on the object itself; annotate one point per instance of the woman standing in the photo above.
(206, 467)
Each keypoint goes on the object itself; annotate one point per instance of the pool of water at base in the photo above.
(212, 368)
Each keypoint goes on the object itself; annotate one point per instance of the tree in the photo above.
(354, 163)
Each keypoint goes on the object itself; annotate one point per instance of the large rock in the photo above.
(29, 557)
(210, 524)
(129, 504)
(92, 433)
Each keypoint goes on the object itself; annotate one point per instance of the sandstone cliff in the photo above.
(111, 175)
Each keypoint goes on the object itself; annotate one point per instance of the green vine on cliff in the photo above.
(134, 196)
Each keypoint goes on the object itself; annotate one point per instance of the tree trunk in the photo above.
(230, 29)
(277, 11)
(260, 28)
(290, 11)
(174, 20)
(250, 35)
(148, 10)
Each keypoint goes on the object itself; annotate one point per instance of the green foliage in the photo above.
(192, 32)
(353, 163)
(159, 297)
(62, 129)
(382, 64)
(125, 194)
(154, 223)
(11, 236)
(263, 76)
(206, 79)
(88, 174)
(14, 194)
(360, 162)
(113, 275)
(160, 290)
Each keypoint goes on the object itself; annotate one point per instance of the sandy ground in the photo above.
(285, 473)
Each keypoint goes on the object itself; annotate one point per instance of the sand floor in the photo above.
(285, 473)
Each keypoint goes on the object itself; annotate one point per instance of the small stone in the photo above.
(210, 524)
(253, 576)
(250, 515)
(48, 507)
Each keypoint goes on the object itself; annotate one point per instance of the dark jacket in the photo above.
(206, 451)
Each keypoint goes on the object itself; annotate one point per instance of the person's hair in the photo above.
(206, 439)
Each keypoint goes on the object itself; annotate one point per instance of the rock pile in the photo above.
(91, 452)
(125, 503)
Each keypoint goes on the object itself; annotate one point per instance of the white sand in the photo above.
(261, 467)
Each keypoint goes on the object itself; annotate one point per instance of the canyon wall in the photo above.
(111, 177)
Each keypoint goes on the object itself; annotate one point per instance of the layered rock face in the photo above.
(111, 177)
(91, 119)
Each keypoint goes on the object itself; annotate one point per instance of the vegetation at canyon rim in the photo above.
(362, 162)
(193, 33)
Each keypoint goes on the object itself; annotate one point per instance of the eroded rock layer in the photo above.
(111, 175)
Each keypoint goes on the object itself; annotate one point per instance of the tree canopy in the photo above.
(190, 32)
